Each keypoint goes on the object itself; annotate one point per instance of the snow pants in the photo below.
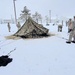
(72, 35)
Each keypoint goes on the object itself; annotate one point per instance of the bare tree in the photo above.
(25, 14)
(37, 17)
(47, 20)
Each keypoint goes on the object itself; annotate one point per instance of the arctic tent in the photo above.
(31, 29)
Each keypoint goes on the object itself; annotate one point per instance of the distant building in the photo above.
(6, 21)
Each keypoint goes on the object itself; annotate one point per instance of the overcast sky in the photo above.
(60, 8)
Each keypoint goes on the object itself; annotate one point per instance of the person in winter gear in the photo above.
(72, 33)
(60, 28)
(9, 27)
(70, 27)
(18, 25)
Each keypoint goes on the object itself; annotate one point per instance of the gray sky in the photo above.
(60, 8)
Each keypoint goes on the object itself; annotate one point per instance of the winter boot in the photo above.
(73, 41)
(68, 42)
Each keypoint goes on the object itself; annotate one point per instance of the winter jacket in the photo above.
(70, 25)
(73, 24)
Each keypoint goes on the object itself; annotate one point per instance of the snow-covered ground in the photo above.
(44, 56)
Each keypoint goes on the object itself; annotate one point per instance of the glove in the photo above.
(69, 30)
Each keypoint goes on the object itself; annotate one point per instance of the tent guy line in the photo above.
(61, 37)
(7, 43)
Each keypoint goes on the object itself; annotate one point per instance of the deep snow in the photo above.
(44, 56)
